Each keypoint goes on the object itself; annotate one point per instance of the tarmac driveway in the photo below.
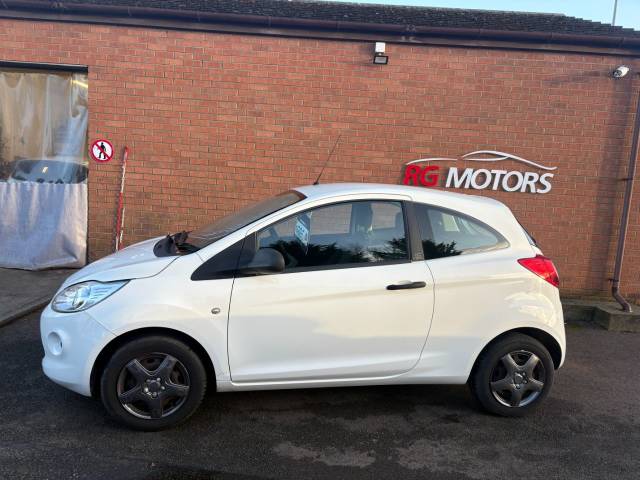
(588, 428)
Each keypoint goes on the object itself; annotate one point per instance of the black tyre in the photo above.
(152, 383)
(512, 376)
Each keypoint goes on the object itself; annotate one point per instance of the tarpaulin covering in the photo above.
(43, 169)
(36, 229)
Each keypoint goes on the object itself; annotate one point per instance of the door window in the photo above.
(446, 233)
(339, 235)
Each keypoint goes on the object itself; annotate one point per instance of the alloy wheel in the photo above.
(518, 378)
(153, 386)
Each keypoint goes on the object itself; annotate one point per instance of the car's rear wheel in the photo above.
(512, 376)
(152, 383)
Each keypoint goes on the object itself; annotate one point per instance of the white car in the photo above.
(321, 286)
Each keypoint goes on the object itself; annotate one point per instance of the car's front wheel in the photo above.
(153, 382)
(512, 376)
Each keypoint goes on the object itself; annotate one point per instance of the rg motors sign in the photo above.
(429, 173)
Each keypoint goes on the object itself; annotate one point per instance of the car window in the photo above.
(49, 171)
(350, 233)
(445, 233)
(222, 265)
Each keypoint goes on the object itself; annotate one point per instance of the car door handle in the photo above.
(406, 286)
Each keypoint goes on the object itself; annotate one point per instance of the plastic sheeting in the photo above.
(36, 229)
(43, 169)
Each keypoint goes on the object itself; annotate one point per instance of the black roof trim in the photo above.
(337, 20)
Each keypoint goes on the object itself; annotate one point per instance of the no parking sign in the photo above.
(101, 151)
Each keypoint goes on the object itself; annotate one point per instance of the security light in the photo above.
(620, 71)
(379, 58)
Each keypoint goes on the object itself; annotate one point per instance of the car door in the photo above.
(469, 260)
(350, 303)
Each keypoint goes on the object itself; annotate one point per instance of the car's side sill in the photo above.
(401, 379)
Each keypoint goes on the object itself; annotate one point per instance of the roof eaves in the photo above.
(265, 24)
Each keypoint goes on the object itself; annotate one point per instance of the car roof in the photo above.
(420, 194)
(56, 160)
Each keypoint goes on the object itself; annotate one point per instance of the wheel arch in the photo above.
(108, 350)
(548, 340)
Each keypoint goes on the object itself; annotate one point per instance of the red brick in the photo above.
(214, 121)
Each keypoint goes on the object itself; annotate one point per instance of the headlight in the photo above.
(83, 295)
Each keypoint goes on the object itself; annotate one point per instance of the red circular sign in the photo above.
(101, 151)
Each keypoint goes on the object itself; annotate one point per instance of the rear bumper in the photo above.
(559, 332)
(72, 342)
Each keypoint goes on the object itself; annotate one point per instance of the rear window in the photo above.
(446, 233)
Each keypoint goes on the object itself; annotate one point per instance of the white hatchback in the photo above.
(321, 286)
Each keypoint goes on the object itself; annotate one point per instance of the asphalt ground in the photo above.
(589, 427)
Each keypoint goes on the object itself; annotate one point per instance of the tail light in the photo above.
(543, 267)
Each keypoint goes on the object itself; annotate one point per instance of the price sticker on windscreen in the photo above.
(303, 225)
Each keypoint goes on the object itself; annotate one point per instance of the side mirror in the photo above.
(264, 262)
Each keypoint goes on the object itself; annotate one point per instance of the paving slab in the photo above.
(577, 311)
(23, 291)
(611, 317)
(607, 315)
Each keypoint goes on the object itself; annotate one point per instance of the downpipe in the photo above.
(624, 221)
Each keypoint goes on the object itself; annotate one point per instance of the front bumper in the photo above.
(72, 342)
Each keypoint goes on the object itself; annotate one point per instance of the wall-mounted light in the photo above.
(379, 58)
(620, 71)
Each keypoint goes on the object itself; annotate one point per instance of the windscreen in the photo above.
(229, 224)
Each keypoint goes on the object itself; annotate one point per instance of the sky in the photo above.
(628, 14)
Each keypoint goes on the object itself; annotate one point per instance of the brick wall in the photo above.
(214, 121)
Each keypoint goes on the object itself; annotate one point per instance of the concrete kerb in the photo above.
(607, 315)
(23, 310)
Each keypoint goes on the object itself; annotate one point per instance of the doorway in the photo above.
(43, 168)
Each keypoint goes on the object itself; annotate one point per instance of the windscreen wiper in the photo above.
(174, 244)
(180, 241)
